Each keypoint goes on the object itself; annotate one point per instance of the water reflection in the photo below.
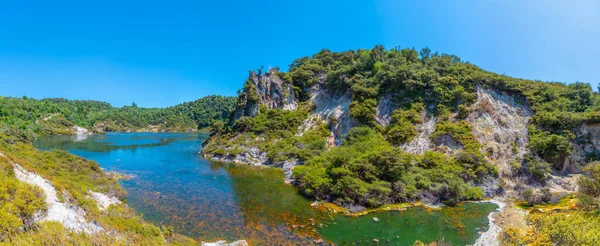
(102, 143)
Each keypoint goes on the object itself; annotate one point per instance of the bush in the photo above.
(551, 147)
(545, 195)
(9, 224)
(590, 184)
(536, 168)
(402, 126)
(367, 170)
(529, 196)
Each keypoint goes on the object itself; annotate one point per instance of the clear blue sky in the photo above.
(163, 53)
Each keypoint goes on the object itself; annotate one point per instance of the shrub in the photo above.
(9, 224)
(590, 184)
(529, 196)
(536, 167)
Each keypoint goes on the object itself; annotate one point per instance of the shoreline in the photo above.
(490, 237)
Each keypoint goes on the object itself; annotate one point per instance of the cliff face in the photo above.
(266, 89)
(499, 123)
(332, 108)
(497, 132)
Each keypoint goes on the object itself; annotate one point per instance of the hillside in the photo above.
(378, 126)
(27, 118)
(55, 198)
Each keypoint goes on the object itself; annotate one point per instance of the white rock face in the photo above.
(500, 125)
(72, 217)
(421, 142)
(587, 142)
(224, 243)
(385, 108)
(253, 157)
(80, 133)
(330, 105)
(104, 201)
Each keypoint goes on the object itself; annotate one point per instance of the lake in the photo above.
(175, 186)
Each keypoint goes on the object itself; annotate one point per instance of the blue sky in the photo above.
(163, 53)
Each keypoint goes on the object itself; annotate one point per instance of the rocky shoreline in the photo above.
(256, 158)
(490, 237)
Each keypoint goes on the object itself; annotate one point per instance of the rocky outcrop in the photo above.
(586, 144)
(252, 156)
(264, 89)
(255, 157)
(499, 122)
(422, 141)
(331, 106)
(385, 107)
(447, 144)
(70, 216)
(104, 201)
(81, 133)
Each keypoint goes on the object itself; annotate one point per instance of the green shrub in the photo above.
(536, 167)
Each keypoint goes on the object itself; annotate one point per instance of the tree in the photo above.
(218, 127)
(590, 184)
(425, 53)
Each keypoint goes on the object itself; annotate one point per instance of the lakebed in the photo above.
(173, 185)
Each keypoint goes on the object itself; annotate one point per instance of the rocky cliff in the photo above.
(499, 123)
(266, 89)
(534, 134)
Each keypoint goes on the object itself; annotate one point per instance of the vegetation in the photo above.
(589, 186)
(19, 202)
(557, 228)
(445, 84)
(573, 226)
(27, 117)
(368, 168)
(73, 178)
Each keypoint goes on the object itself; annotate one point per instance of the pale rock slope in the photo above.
(499, 124)
(70, 216)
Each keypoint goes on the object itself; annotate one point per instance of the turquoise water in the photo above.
(174, 186)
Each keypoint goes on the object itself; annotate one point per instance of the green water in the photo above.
(455, 225)
(174, 185)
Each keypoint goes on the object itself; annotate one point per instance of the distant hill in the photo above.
(27, 118)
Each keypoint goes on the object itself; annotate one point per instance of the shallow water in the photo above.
(175, 186)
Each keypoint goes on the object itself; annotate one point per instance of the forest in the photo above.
(28, 118)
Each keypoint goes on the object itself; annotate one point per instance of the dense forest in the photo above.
(27, 118)
(368, 168)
